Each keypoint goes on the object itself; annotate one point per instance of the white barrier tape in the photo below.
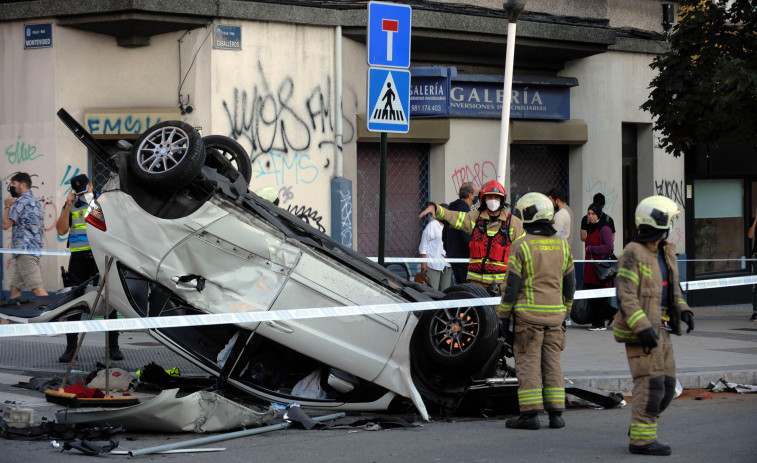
(399, 260)
(128, 324)
(43, 252)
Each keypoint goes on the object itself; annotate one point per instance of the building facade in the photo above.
(266, 74)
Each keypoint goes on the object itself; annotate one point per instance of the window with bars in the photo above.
(407, 191)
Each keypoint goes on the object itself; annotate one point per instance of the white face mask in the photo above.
(492, 204)
(87, 197)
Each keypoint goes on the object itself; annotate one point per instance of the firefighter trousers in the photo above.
(654, 385)
(537, 365)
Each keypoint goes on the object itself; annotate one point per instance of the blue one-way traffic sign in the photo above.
(388, 35)
(388, 100)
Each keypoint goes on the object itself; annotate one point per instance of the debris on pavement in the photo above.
(200, 412)
(722, 385)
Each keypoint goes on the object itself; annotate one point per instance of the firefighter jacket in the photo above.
(541, 280)
(490, 240)
(639, 283)
(77, 234)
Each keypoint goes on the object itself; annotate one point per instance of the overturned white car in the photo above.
(187, 237)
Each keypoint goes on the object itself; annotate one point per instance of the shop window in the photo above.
(718, 225)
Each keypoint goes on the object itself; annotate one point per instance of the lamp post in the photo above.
(513, 8)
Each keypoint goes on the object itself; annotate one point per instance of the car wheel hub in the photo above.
(453, 333)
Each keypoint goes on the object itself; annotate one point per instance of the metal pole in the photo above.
(504, 138)
(227, 436)
(382, 200)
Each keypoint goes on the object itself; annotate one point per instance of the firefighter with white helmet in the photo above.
(492, 229)
(651, 307)
(541, 283)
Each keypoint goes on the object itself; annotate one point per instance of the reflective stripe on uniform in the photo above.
(625, 273)
(530, 397)
(623, 334)
(635, 317)
(554, 395)
(641, 431)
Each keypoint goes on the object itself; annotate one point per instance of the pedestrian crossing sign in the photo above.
(388, 100)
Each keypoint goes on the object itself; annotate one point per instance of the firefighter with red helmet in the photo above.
(492, 229)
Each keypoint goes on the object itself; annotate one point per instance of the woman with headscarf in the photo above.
(598, 246)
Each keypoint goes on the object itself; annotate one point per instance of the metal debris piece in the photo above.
(199, 412)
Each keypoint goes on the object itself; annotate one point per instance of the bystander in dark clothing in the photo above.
(599, 200)
(457, 242)
(598, 246)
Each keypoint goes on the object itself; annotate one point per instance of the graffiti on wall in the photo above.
(345, 206)
(477, 173)
(673, 189)
(266, 117)
(612, 195)
(311, 216)
(295, 169)
(21, 151)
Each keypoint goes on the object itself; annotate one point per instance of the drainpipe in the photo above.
(341, 188)
(338, 161)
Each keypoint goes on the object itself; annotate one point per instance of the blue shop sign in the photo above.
(38, 35)
(483, 99)
(441, 92)
(429, 96)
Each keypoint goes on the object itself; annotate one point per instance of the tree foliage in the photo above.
(706, 89)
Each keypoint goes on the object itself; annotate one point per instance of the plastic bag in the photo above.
(310, 387)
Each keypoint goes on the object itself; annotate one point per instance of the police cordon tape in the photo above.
(129, 324)
(387, 260)
(41, 252)
(465, 260)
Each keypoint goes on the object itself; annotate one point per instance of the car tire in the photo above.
(167, 156)
(455, 345)
(232, 151)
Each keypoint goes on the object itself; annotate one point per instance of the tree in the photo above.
(706, 89)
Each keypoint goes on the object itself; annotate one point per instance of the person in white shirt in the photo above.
(438, 271)
(563, 220)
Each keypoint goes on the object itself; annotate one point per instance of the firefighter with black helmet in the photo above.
(492, 229)
(541, 283)
(651, 307)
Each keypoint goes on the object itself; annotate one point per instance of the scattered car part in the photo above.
(199, 412)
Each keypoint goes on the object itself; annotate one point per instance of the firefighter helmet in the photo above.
(492, 187)
(656, 212)
(535, 206)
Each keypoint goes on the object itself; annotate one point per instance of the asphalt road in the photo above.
(722, 428)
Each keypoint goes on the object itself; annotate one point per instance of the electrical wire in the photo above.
(181, 84)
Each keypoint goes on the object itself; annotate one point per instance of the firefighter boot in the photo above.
(655, 448)
(555, 420)
(68, 354)
(114, 352)
(524, 421)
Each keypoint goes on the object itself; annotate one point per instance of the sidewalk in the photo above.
(723, 345)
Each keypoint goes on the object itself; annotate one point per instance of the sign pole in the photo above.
(382, 199)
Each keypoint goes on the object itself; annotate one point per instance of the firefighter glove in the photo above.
(648, 339)
(687, 316)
